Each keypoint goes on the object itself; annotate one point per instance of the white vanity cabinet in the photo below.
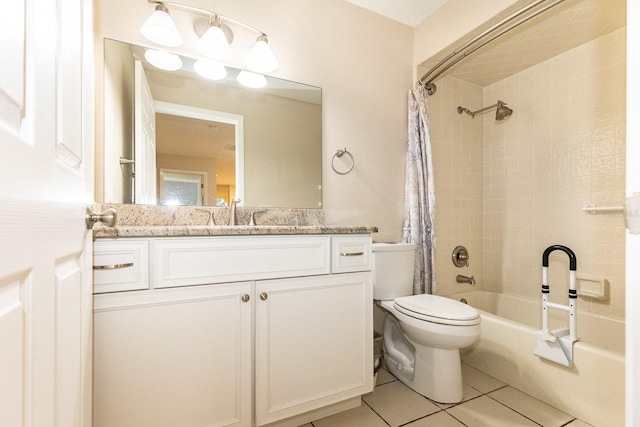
(173, 357)
(313, 343)
(233, 331)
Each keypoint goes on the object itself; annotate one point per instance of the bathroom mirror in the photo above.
(174, 137)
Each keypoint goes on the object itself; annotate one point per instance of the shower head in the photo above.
(502, 111)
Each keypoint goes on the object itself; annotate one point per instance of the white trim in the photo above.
(218, 116)
(632, 269)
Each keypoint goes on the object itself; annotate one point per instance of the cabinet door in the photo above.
(314, 343)
(173, 357)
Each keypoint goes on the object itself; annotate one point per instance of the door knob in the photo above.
(264, 296)
(107, 217)
(245, 297)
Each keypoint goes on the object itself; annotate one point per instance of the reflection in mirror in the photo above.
(170, 134)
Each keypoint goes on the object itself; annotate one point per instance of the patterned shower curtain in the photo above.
(419, 195)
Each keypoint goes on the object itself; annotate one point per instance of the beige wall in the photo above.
(563, 148)
(118, 99)
(362, 62)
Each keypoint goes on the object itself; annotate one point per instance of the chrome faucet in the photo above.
(233, 218)
(464, 279)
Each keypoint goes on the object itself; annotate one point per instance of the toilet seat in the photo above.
(437, 309)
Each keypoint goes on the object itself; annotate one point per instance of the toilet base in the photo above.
(437, 374)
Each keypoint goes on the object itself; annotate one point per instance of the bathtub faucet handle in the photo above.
(460, 257)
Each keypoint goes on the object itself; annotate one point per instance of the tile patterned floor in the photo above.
(487, 403)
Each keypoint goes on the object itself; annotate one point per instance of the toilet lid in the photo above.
(437, 309)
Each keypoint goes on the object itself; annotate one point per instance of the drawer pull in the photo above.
(112, 266)
(245, 297)
(351, 253)
(264, 296)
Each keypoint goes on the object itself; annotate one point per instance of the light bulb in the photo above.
(163, 60)
(214, 44)
(252, 80)
(261, 58)
(160, 28)
(209, 69)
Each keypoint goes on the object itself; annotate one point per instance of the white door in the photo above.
(45, 181)
(145, 140)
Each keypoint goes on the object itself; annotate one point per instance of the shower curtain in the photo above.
(419, 195)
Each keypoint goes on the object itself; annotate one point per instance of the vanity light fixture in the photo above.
(261, 58)
(213, 32)
(160, 28)
(163, 59)
(214, 43)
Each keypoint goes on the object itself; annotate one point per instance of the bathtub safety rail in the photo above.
(557, 345)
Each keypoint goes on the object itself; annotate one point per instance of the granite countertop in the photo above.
(185, 221)
(222, 230)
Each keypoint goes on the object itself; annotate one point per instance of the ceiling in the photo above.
(409, 12)
(555, 31)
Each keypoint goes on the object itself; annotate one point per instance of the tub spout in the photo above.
(464, 279)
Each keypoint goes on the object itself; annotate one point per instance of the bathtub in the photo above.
(592, 390)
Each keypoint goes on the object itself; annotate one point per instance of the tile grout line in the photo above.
(374, 411)
(517, 412)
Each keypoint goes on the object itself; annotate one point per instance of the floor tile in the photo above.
(531, 407)
(479, 380)
(469, 393)
(486, 412)
(384, 377)
(398, 404)
(361, 416)
(440, 419)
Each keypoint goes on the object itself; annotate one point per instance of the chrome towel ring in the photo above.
(339, 154)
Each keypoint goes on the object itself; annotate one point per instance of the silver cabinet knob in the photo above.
(245, 297)
(264, 296)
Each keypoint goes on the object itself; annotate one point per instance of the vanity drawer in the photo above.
(196, 261)
(350, 254)
(120, 265)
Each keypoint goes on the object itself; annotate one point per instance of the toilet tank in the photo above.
(393, 270)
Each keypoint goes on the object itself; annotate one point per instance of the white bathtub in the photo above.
(592, 390)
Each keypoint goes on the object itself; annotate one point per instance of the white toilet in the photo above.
(423, 334)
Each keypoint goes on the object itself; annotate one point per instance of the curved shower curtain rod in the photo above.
(460, 53)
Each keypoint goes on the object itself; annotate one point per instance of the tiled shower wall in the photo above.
(563, 149)
(458, 175)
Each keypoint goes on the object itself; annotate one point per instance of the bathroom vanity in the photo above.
(235, 330)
